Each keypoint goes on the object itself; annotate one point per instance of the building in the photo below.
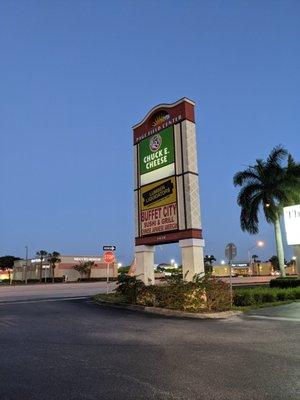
(244, 268)
(64, 269)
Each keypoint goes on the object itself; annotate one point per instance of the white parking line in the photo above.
(4, 303)
(275, 318)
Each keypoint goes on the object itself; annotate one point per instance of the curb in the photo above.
(170, 313)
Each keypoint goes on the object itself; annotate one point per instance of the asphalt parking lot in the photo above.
(74, 349)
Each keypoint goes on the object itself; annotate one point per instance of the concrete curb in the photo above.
(170, 313)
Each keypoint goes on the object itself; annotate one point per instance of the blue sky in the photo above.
(77, 74)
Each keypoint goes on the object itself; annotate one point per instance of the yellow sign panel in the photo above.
(158, 194)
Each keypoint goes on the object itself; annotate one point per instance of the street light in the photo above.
(120, 265)
(172, 262)
(26, 265)
(222, 262)
(259, 243)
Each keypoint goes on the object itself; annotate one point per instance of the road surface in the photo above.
(52, 291)
(76, 350)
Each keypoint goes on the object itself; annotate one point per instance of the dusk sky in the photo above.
(76, 75)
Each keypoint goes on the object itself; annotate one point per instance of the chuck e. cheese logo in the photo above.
(155, 142)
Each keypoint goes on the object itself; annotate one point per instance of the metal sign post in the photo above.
(230, 253)
(107, 277)
(109, 258)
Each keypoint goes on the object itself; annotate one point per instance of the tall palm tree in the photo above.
(208, 263)
(268, 185)
(53, 259)
(41, 255)
(84, 268)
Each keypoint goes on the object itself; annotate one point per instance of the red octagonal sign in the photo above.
(109, 257)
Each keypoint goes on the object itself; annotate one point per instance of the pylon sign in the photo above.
(167, 204)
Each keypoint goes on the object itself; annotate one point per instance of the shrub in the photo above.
(129, 286)
(248, 297)
(286, 282)
(204, 293)
(243, 297)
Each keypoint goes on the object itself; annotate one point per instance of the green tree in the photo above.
(41, 254)
(84, 268)
(53, 259)
(8, 262)
(254, 258)
(208, 263)
(268, 185)
(275, 263)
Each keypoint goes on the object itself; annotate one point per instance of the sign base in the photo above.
(191, 254)
(145, 264)
(192, 257)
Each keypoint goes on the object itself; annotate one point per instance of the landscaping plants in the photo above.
(257, 296)
(204, 293)
(286, 282)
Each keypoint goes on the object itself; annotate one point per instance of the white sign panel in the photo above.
(292, 224)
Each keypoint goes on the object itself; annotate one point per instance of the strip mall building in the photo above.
(63, 269)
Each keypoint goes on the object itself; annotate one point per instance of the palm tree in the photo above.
(254, 258)
(53, 259)
(41, 255)
(268, 185)
(208, 263)
(84, 268)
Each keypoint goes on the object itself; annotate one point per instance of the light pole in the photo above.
(26, 263)
(259, 243)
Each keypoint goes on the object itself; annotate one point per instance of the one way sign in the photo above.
(109, 248)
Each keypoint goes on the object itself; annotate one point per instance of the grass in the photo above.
(263, 305)
(113, 298)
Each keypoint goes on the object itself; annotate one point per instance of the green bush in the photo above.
(129, 287)
(256, 296)
(202, 294)
(286, 282)
(244, 297)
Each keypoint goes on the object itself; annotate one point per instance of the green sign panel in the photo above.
(157, 151)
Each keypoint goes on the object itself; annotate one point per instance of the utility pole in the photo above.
(26, 264)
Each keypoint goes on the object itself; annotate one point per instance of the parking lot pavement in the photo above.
(287, 312)
(52, 291)
(77, 350)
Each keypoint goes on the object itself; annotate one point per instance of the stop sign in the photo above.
(109, 257)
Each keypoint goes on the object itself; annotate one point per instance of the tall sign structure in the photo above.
(292, 228)
(167, 203)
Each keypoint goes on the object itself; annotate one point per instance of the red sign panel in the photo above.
(109, 257)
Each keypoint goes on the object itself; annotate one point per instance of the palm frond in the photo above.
(277, 155)
(247, 193)
(248, 174)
